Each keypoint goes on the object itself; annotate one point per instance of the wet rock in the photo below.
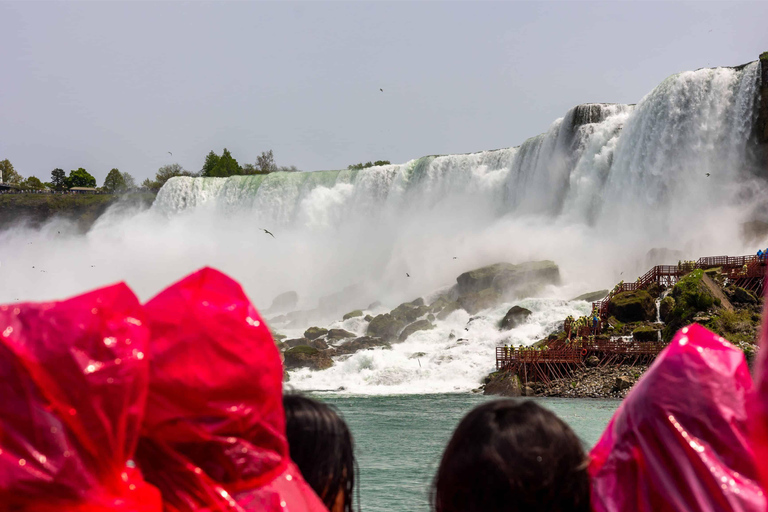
(368, 318)
(385, 326)
(319, 344)
(353, 314)
(592, 361)
(304, 356)
(410, 311)
(361, 343)
(295, 342)
(278, 337)
(503, 384)
(592, 296)
(528, 391)
(315, 332)
(622, 383)
(635, 306)
(666, 307)
(284, 302)
(339, 334)
(514, 317)
(419, 325)
(417, 355)
(475, 302)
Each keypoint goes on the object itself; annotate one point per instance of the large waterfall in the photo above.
(601, 187)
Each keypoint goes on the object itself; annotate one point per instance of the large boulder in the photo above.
(295, 342)
(284, 302)
(742, 296)
(475, 302)
(514, 317)
(386, 326)
(315, 332)
(419, 325)
(339, 334)
(506, 278)
(352, 314)
(635, 306)
(361, 343)
(592, 296)
(503, 384)
(645, 333)
(305, 356)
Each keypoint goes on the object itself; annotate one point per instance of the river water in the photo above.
(399, 439)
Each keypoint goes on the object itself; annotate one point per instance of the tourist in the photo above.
(321, 446)
(214, 435)
(680, 440)
(509, 455)
(73, 377)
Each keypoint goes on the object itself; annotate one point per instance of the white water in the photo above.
(594, 193)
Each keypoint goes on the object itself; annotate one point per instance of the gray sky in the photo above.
(107, 84)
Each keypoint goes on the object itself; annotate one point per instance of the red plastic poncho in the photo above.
(73, 384)
(214, 432)
(679, 440)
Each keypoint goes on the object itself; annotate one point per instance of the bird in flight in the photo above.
(707, 175)
(382, 90)
(455, 257)
(267, 232)
(170, 153)
(407, 274)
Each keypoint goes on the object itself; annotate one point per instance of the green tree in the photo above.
(32, 183)
(8, 173)
(227, 165)
(211, 161)
(58, 179)
(80, 178)
(130, 183)
(163, 174)
(114, 182)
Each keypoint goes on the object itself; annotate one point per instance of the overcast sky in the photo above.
(107, 84)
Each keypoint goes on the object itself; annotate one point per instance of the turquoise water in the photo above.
(399, 439)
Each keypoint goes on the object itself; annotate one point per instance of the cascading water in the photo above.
(601, 187)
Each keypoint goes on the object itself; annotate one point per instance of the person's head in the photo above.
(511, 456)
(321, 445)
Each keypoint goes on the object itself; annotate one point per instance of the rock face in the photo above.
(666, 307)
(352, 314)
(514, 317)
(295, 342)
(447, 310)
(503, 384)
(635, 306)
(475, 302)
(410, 311)
(742, 296)
(339, 334)
(592, 296)
(419, 325)
(306, 357)
(506, 277)
(284, 302)
(315, 332)
(622, 383)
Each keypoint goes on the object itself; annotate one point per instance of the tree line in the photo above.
(223, 165)
(218, 166)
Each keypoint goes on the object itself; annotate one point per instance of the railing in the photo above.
(573, 353)
(733, 268)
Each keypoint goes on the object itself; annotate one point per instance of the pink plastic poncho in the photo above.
(73, 384)
(759, 405)
(214, 432)
(679, 441)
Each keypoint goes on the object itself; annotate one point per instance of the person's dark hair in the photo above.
(322, 447)
(512, 456)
